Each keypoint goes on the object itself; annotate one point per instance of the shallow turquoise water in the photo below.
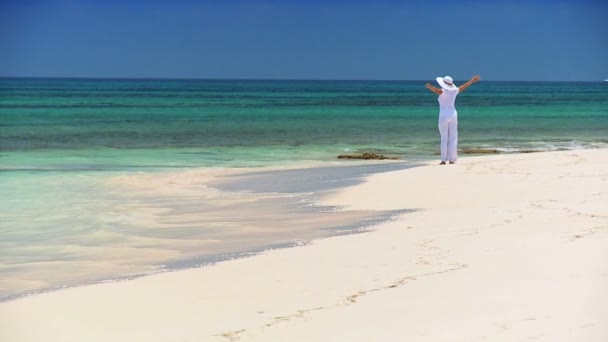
(211, 123)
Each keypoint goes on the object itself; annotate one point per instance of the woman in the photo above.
(448, 117)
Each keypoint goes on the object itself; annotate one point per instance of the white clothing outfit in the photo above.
(448, 124)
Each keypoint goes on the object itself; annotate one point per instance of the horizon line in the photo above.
(270, 79)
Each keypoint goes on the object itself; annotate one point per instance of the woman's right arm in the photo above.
(468, 84)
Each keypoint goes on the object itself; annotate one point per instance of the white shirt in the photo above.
(447, 102)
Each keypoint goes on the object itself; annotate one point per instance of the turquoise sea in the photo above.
(88, 123)
(104, 179)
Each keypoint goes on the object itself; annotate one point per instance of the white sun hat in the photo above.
(446, 83)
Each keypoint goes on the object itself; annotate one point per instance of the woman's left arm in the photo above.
(468, 84)
(433, 89)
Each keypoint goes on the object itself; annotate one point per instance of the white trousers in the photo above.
(448, 129)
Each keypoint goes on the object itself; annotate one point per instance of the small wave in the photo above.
(498, 150)
(534, 148)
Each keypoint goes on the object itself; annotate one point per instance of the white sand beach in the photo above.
(498, 248)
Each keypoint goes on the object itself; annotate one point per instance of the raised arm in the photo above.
(468, 84)
(433, 89)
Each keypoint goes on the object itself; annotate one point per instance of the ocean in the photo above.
(106, 179)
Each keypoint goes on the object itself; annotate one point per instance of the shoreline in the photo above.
(173, 220)
(518, 250)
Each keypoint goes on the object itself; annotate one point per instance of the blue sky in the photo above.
(394, 40)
